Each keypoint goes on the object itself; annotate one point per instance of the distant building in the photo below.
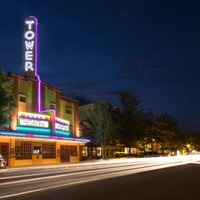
(91, 150)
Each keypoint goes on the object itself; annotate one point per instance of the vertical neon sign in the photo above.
(31, 51)
(31, 26)
(30, 36)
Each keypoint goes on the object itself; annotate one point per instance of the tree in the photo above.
(116, 120)
(130, 117)
(167, 131)
(161, 130)
(7, 102)
(99, 124)
(191, 141)
(82, 100)
(150, 129)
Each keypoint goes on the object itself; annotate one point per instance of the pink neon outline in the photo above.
(38, 77)
(36, 67)
(39, 93)
(51, 110)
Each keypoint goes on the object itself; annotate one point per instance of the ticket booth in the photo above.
(37, 154)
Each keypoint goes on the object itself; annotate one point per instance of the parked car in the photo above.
(121, 154)
(2, 162)
(148, 154)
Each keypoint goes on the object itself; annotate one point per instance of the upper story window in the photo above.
(22, 98)
(52, 106)
(68, 110)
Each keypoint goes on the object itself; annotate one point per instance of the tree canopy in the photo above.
(160, 129)
(99, 124)
(130, 117)
(7, 102)
(82, 100)
(131, 125)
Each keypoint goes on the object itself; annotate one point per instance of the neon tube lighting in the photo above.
(38, 77)
(33, 115)
(28, 135)
(36, 40)
(62, 133)
(54, 121)
(35, 61)
(35, 130)
(12, 134)
(50, 110)
(39, 93)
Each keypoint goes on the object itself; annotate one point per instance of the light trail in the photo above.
(87, 172)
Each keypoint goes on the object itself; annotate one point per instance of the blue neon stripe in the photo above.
(33, 130)
(28, 135)
(62, 133)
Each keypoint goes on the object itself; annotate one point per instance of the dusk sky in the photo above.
(88, 47)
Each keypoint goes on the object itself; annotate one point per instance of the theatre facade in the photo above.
(44, 127)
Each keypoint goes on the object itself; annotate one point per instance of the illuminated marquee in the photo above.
(62, 124)
(33, 120)
(34, 115)
(30, 36)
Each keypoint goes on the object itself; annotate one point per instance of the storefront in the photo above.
(21, 149)
(44, 127)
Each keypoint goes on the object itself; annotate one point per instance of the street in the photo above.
(141, 178)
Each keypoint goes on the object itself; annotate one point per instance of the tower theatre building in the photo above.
(44, 127)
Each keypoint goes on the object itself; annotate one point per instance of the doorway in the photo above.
(4, 152)
(64, 153)
(37, 154)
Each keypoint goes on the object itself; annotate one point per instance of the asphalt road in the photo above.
(170, 178)
(174, 183)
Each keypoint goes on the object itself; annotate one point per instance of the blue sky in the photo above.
(88, 47)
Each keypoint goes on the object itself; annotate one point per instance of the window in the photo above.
(73, 150)
(68, 110)
(49, 150)
(22, 98)
(52, 106)
(23, 150)
(37, 150)
(84, 151)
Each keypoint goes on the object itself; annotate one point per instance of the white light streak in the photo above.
(93, 171)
